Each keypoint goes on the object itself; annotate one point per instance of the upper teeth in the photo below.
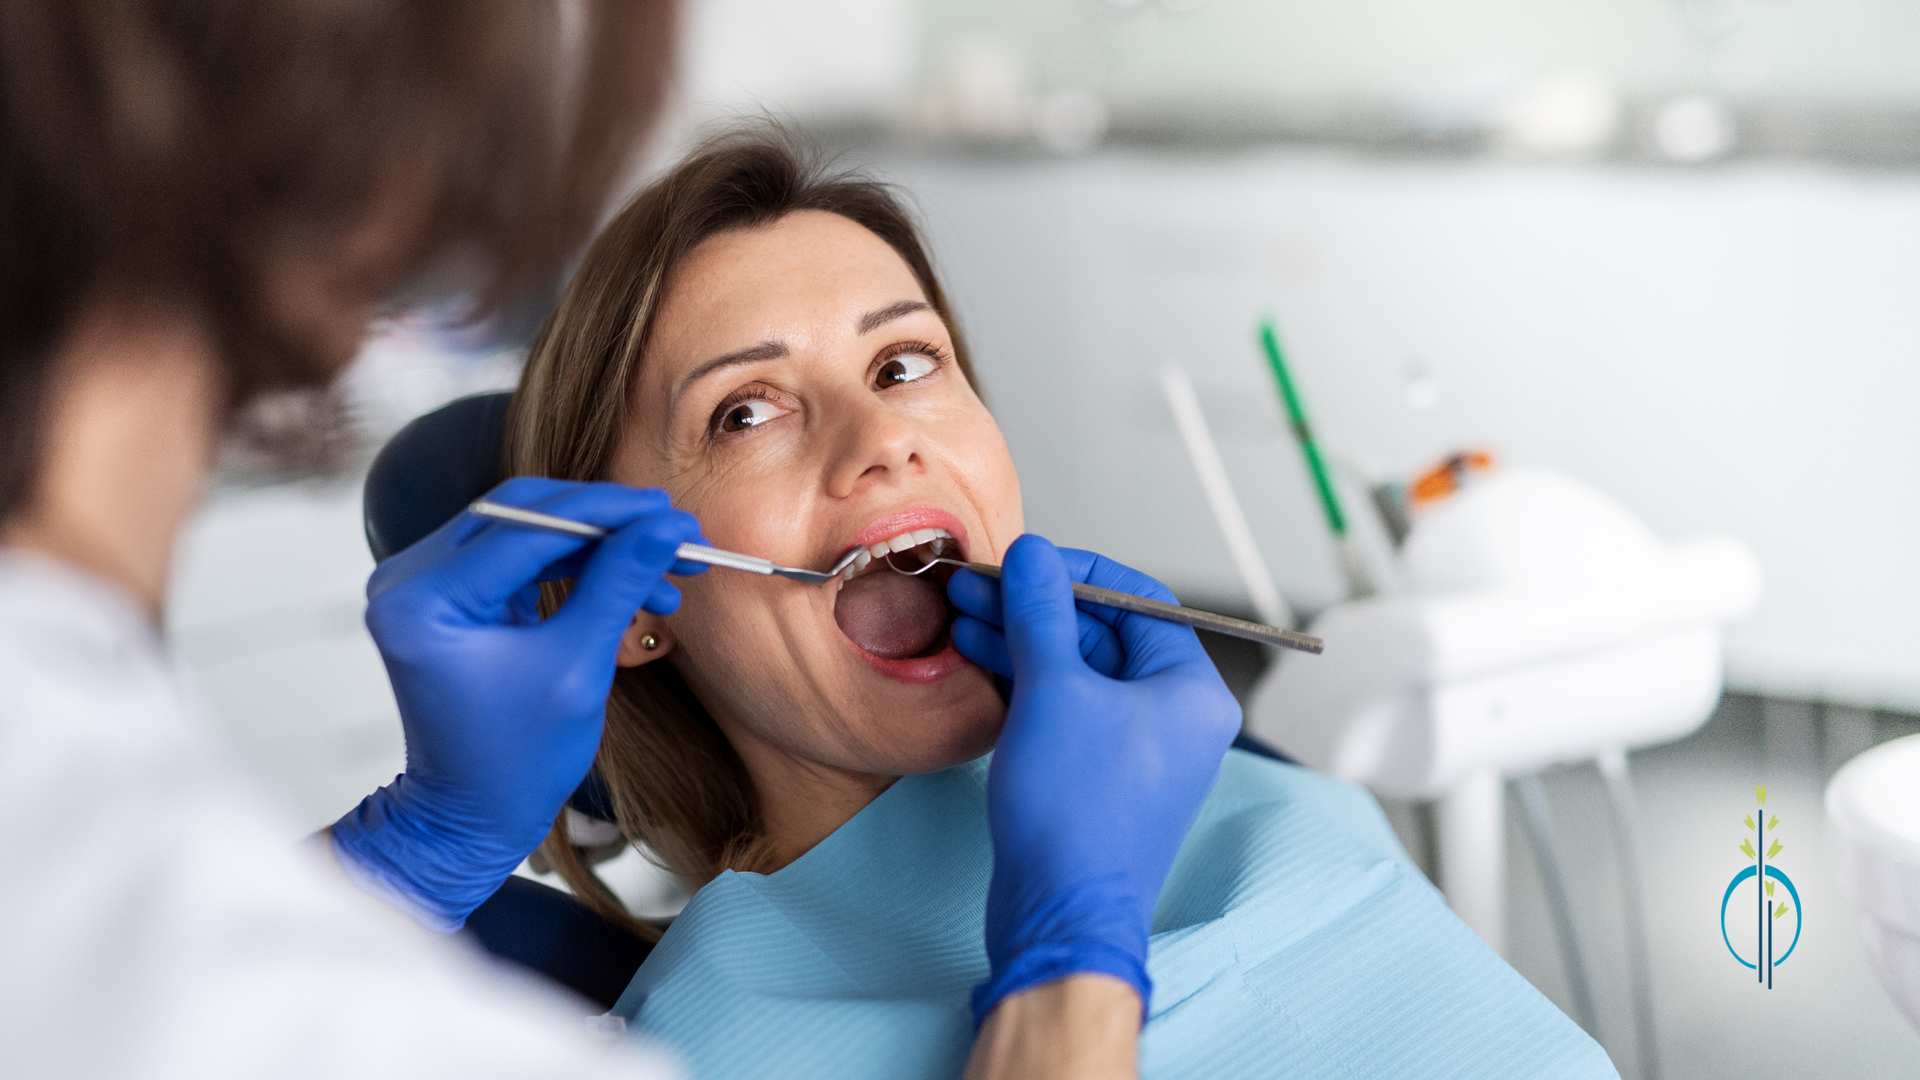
(903, 542)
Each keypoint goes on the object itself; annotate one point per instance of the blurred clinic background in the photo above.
(1666, 249)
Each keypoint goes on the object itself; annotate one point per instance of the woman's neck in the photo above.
(801, 802)
(131, 422)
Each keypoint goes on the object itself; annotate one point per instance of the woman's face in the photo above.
(800, 397)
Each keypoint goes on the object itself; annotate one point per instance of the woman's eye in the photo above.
(904, 368)
(748, 414)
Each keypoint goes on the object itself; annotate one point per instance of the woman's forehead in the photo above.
(808, 267)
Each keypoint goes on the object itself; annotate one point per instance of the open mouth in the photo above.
(893, 616)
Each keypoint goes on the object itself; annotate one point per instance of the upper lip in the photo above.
(911, 519)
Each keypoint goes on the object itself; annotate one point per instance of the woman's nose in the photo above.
(874, 444)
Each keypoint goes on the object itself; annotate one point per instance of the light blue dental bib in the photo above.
(1294, 938)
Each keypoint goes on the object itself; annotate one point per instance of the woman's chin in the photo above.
(954, 719)
(917, 670)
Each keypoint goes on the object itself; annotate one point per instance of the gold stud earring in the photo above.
(649, 642)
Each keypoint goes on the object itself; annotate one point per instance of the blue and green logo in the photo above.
(1768, 908)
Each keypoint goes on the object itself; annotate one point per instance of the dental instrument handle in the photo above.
(1174, 613)
(700, 553)
(549, 522)
(732, 560)
(1200, 620)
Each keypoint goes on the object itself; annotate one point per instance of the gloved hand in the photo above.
(502, 711)
(1114, 735)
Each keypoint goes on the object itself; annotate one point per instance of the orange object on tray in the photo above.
(1450, 475)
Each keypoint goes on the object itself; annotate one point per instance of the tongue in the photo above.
(890, 615)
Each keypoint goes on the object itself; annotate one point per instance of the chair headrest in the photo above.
(432, 468)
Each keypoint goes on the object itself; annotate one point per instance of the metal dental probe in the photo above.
(699, 553)
(1140, 605)
(1174, 613)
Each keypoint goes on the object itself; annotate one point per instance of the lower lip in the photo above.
(919, 670)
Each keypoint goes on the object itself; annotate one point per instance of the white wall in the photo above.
(849, 57)
(1734, 350)
(1256, 51)
(864, 57)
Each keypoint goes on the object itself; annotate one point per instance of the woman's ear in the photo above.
(645, 641)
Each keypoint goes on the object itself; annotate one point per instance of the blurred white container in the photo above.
(1874, 805)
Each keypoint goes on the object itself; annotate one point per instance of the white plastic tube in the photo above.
(1470, 825)
(1205, 456)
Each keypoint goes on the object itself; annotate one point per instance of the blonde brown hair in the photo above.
(678, 787)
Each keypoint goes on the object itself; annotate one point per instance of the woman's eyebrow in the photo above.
(874, 319)
(752, 354)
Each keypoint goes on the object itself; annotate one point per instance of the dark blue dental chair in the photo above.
(427, 473)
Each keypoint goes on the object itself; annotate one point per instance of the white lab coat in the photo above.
(153, 923)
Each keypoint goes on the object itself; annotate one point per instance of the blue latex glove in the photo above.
(1115, 730)
(502, 711)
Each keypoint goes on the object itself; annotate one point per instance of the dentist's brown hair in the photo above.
(275, 169)
(678, 787)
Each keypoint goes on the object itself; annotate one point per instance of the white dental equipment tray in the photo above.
(1543, 623)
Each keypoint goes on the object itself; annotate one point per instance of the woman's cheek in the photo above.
(986, 468)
